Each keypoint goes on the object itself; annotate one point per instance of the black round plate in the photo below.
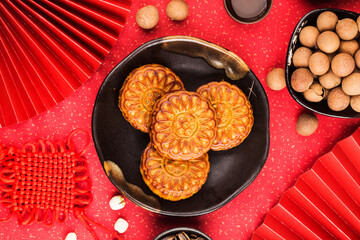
(321, 107)
(117, 141)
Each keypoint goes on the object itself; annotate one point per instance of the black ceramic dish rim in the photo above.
(289, 56)
(266, 12)
(148, 44)
(182, 229)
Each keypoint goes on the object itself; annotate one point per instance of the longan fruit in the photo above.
(343, 64)
(177, 10)
(347, 29)
(326, 21)
(301, 79)
(337, 99)
(276, 79)
(306, 124)
(319, 63)
(355, 103)
(351, 84)
(349, 47)
(308, 36)
(329, 80)
(301, 57)
(357, 58)
(147, 17)
(328, 42)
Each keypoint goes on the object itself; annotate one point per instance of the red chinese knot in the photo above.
(44, 181)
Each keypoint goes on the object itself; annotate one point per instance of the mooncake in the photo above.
(142, 88)
(173, 179)
(183, 125)
(234, 113)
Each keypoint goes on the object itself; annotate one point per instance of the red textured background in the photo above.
(262, 46)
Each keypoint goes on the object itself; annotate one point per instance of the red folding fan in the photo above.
(325, 201)
(49, 48)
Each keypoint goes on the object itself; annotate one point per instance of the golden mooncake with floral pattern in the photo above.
(234, 113)
(183, 125)
(173, 179)
(142, 88)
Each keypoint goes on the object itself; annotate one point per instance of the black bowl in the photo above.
(186, 230)
(321, 107)
(119, 145)
(232, 13)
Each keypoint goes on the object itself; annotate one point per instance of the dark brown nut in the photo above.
(301, 57)
(343, 64)
(301, 79)
(338, 100)
(306, 124)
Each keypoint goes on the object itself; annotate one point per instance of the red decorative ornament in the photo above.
(324, 203)
(45, 181)
(50, 48)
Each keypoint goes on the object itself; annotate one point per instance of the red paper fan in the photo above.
(325, 201)
(49, 48)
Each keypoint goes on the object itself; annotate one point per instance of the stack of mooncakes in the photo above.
(183, 126)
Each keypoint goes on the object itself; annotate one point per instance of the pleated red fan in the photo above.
(49, 48)
(44, 182)
(325, 201)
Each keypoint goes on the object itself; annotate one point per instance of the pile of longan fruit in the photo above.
(328, 62)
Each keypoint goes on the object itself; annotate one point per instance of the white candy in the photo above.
(121, 225)
(117, 202)
(71, 236)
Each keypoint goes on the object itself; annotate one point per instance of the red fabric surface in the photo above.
(262, 46)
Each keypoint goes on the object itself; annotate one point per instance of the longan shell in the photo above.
(234, 113)
(315, 93)
(173, 180)
(183, 125)
(140, 91)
